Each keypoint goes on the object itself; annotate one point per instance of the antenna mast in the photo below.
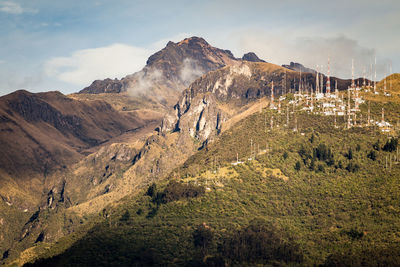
(317, 82)
(272, 94)
(352, 74)
(328, 83)
(375, 78)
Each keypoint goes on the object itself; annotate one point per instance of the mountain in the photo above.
(298, 67)
(168, 71)
(115, 152)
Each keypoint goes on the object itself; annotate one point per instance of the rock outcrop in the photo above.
(252, 57)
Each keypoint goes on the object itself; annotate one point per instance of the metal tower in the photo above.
(328, 82)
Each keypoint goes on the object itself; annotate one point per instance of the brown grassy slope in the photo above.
(41, 131)
(394, 90)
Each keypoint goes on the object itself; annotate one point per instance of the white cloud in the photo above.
(84, 66)
(190, 71)
(14, 8)
(311, 51)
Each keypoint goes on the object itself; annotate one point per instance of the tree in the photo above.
(202, 237)
(297, 167)
(391, 145)
(321, 168)
(151, 190)
(349, 154)
(312, 138)
(312, 164)
(372, 155)
(125, 217)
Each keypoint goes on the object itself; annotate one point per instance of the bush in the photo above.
(152, 212)
(355, 234)
(352, 167)
(202, 237)
(377, 145)
(391, 145)
(139, 211)
(372, 155)
(312, 165)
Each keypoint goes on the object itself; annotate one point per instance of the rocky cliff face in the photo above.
(198, 111)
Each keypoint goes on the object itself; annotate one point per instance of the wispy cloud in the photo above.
(84, 66)
(15, 8)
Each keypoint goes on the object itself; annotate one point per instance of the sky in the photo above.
(48, 45)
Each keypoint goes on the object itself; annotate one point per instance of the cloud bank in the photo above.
(84, 66)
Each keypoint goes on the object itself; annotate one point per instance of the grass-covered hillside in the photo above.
(319, 196)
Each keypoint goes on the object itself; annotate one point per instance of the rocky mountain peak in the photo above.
(251, 56)
(194, 41)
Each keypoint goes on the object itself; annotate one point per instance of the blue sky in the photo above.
(65, 45)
